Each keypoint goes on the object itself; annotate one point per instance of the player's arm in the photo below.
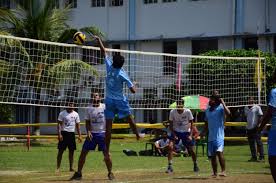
(157, 146)
(60, 121)
(129, 83)
(226, 109)
(60, 138)
(101, 45)
(78, 128)
(260, 114)
(266, 118)
(88, 129)
(132, 89)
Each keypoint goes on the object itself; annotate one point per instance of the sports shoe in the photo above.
(169, 169)
(261, 159)
(110, 176)
(196, 169)
(253, 159)
(76, 176)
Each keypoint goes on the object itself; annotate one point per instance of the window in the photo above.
(5, 4)
(150, 1)
(116, 2)
(97, 3)
(72, 3)
(169, 61)
(150, 93)
(168, 1)
(150, 116)
(201, 46)
(250, 43)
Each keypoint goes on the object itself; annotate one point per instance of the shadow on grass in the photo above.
(191, 178)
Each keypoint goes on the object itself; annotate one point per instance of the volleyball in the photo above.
(79, 38)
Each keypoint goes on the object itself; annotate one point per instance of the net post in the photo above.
(259, 75)
(28, 136)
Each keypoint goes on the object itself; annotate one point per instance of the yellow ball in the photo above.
(79, 38)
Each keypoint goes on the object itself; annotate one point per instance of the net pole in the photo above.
(259, 79)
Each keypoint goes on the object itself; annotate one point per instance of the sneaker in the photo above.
(196, 169)
(169, 169)
(76, 176)
(110, 176)
(261, 159)
(253, 159)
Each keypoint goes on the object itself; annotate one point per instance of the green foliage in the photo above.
(210, 72)
(7, 113)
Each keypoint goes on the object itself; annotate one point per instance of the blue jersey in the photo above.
(272, 103)
(115, 79)
(215, 120)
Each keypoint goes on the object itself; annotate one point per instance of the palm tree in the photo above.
(43, 21)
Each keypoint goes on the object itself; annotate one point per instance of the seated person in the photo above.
(162, 145)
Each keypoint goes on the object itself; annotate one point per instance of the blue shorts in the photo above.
(184, 136)
(120, 107)
(215, 146)
(97, 139)
(271, 143)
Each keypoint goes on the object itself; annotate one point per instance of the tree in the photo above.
(43, 22)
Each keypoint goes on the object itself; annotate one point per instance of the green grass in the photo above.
(42, 159)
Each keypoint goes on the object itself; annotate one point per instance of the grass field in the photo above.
(38, 165)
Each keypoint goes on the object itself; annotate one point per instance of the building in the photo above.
(174, 26)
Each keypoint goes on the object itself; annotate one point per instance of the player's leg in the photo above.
(170, 157)
(62, 145)
(109, 113)
(108, 163)
(124, 112)
(78, 175)
(72, 147)
(272, 163)
(272, 153)
(212, 155)
(87, 145)
(260, 146)
(214, 165)
(133, 127)
(108, 133)
(71, 160)
(100, 140)
(252, 145)
(59, 158)
(189, 144)
(222, 163)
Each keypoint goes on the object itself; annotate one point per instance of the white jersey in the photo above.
(162, 143)
(68, 120)
(96, 117)
(252, 115)
(181, 122)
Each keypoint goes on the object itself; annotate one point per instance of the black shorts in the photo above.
(68, 141)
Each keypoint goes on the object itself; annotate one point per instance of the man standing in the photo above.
(68, 121)
(181, 122)
(254, 113)
(215, 118)
(95, 128)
